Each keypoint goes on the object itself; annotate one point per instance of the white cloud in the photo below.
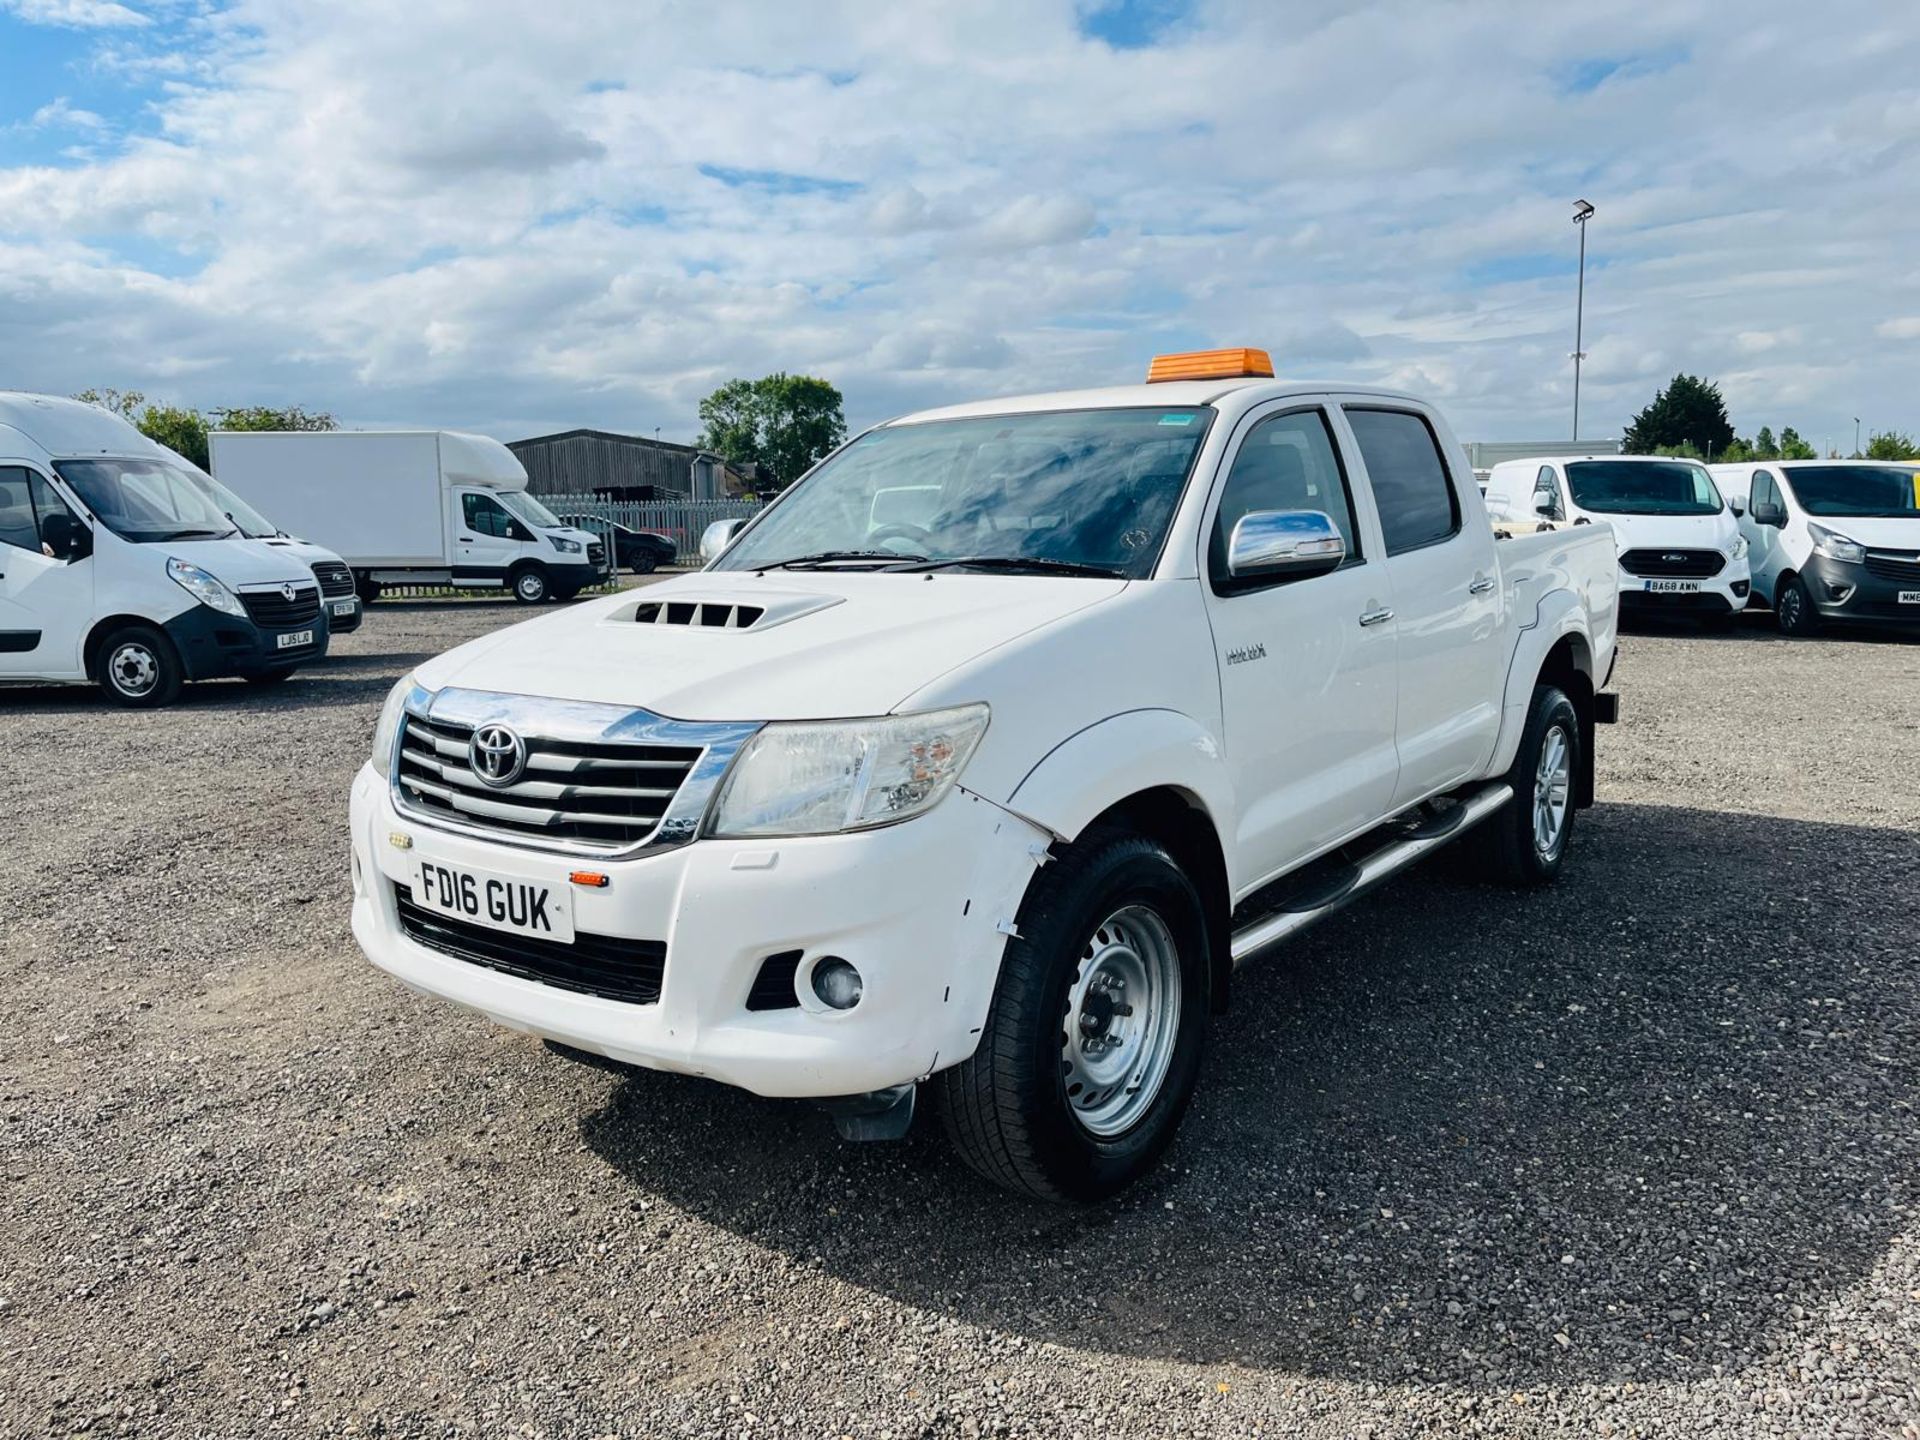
(517, 218)
(63, 114)
(74, 14)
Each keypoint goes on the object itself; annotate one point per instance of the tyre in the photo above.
(1525, 842)
(139, 669)
(529, 585)
(1793, 608)
(266, 679)
(366, 587)
(1094, 1038)
(645, 563)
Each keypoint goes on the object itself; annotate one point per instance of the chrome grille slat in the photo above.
(462, 776)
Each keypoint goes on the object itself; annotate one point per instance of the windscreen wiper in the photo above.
(1021, 564)
(829, 557)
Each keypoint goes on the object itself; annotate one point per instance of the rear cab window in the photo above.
(1412, 488)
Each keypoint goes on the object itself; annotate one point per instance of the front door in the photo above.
(1307, 675)
(1446, 600)
(46, 595)
(487, 538)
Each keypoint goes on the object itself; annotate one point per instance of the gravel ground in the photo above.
(1634, 1156)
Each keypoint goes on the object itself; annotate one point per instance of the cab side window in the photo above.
(1411, 486)
(1287, 462)
(485, 517)
(17, 524)
(1762, 493)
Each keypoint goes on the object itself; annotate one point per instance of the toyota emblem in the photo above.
(497, 755)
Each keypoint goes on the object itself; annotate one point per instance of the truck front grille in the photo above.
(274, 610)
(336, 580)
(1692, 564)
(1903, 565)
(602, 965)
(600, 795)
(596, 554)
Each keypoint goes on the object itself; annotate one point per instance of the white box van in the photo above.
(413, 507)
(119, 563)
(1831, 540)
(1679, 543)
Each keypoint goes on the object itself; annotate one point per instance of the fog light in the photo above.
(837, 983)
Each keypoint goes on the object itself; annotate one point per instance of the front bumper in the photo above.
(213, 645)
(344, 613)
(918, 908)
(1852, 592)
(1722, 594)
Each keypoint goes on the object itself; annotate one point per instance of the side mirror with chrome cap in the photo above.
(1284, 545)
(716, 537)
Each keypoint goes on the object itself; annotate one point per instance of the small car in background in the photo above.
(641, 551)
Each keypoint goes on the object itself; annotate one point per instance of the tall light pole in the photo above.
(1856, 434)
(1582, 212)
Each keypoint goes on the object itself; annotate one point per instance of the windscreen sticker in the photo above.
(1176, 419)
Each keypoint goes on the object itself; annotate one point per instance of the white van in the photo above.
(1831, 540)
(413, 507)
(119, 564)
(1680, 547)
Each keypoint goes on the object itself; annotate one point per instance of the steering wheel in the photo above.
(915, 535)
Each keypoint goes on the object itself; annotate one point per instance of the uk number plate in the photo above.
(342, 607)
(1910, 597)
(1673, 587)
(500, 902)
(294, 638)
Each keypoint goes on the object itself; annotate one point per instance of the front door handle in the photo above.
(1481, 586)
(1376, 617)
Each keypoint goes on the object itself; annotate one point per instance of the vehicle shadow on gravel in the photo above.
(1632, 1127)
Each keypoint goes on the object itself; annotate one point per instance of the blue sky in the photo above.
(517, 218)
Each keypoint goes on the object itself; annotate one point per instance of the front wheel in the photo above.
(645, 563)
(530, 586)
(1793, 609)
(1525, 842)
(1094, 1038)
(139, 668)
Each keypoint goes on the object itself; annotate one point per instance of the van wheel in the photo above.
(1793, 608)
(529, 585)
(139, 668)
(1525, 842)
(366, 587)
(1093, 1042)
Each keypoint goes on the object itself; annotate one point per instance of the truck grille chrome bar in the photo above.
(563, 776)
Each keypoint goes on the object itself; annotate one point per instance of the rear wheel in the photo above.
(1525, 842)
(645, 563)
(1094, 1038)
(366, 587)
(530, 585)
(1793, 608)
(139, 668)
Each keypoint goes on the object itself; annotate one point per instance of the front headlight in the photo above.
(564, 545)
(204, 588)
(1739, 549)
(388, 727)
(822, 777)
(1835, 546)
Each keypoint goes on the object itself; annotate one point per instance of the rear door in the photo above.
(46, 598)
(1306, 685)
(1444, 578)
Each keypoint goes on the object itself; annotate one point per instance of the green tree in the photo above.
(1737, 453)
(1792, 447)
(783, 422)
(1765, 447)
(1682, 451)
(182, 431)
(268, 417)
(1689, 411)
(1892, 445)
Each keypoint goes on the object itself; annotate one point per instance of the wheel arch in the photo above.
(1556, 650)
(102, 628)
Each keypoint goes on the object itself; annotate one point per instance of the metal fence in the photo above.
(681, 520)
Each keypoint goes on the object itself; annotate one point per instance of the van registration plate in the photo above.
(294, 638)
(1910, 597)
(1673, 587)
(340, 607)
(500, 902)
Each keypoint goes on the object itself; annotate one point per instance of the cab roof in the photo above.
(1240, 391)
(59, 427)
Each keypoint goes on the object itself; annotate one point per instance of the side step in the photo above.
(1389, 860)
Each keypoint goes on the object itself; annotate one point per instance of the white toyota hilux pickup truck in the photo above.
(990, 803)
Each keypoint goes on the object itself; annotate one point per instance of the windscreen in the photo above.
(524, 507)
(1855, 489)
(1643, 487)
(155, 499)
(1087, 488)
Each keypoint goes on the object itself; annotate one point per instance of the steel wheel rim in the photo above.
(1552, 789)
(133, 669)
(531, 587)
(1121, 1021)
